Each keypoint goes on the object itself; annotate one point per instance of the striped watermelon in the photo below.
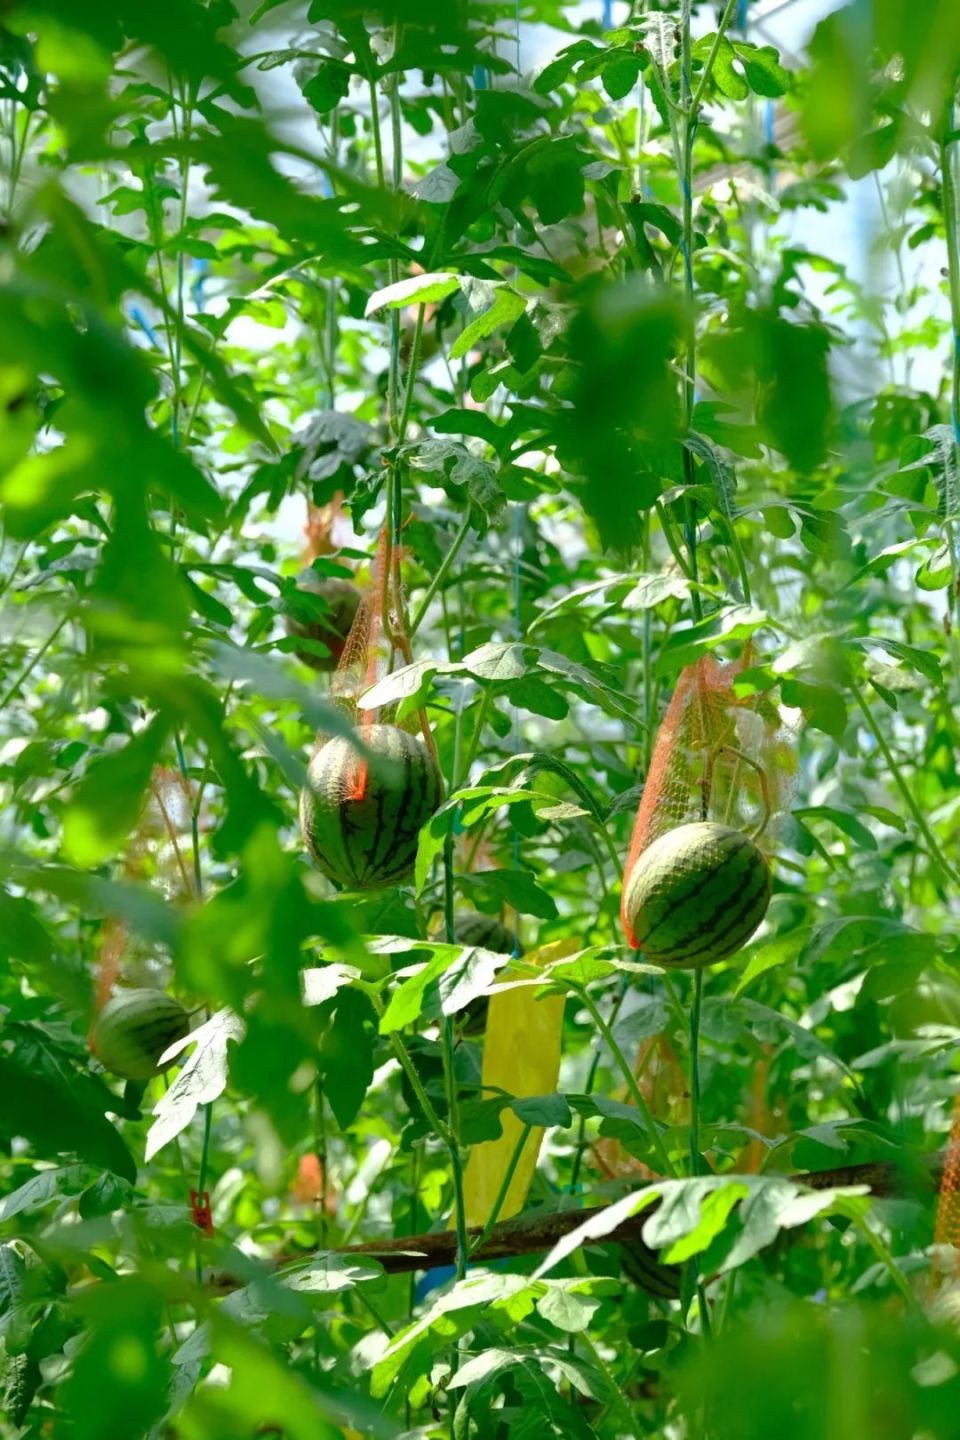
(696, 895)
(640, 1264)
(361, 820)
(331, 629)
(484, 931)
(487, 933)
(133, 1030)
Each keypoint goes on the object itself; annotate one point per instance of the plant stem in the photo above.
(450, 1076)
(588, 1089)
(15, 568)
(504, 1187)
(475, 739)
(17, 153)
(666, 524)
(549, 762)
(441, 574)
(728, 1293)
(696, 1166)
(647, 660)
(375, 126)
(663, 1159)
(416, 1084)
(951, 221)
(412, 367)
(887, 1261)
(202, 1184)
(194, 818)
(901, 783)
(696, 1161)
(32, 663)
(442, 1131)
(320, 1140)
(617, 1400)
(384, 1324)
(689, 128)
(722, 28)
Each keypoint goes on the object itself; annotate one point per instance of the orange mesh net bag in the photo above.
(721, 755)
(660, 1077)
(378, 643)
(320, 529)
(946, 1235)
(155, 852)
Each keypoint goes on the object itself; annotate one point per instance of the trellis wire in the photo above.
(517, 551)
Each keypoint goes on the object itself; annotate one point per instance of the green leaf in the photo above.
(328, 86)
(761, 66)
(42, 1188)
(619, 75)
(714, 1212)
(346, 1060)
(516, 888)
(407, 1000)
(506, 307)
(416, 290)
(542, 1110)
(108, 803)
(54, 1105)
(438, 186)
(202, 1079)
(566, 1310)
(844, 820)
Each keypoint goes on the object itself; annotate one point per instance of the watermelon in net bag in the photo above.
(363, 806)
(697, 880)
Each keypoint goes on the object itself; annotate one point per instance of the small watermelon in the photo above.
(360, 819)
(696, 895)
(487, 933)
(331, 629)
(484, 931)
(133, 1030)
(641, 1265)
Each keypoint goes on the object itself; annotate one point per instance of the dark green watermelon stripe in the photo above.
(146, 1034)
(645, 1270)
(682, 896)
(721, 900)
(697, 887)
(743, 922)
(402, 799)
(419, 796)
(369, 842)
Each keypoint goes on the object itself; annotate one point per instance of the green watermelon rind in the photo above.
(696, 895)
(133, 1030)
(369, 843)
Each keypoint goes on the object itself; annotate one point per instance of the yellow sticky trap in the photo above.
(521, 1055)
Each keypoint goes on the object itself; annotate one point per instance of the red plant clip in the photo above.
(357, 784)
(200, 1211)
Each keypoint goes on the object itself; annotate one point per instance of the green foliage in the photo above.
(557, 331)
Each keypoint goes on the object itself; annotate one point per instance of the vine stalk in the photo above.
(639, 1099)
(951, 221)
(900, 782)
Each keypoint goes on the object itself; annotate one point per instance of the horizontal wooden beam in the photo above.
(535, 1234)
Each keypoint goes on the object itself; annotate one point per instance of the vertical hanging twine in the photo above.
(517, 548)
(954, 412)
(947, 1231)
(517, 631)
